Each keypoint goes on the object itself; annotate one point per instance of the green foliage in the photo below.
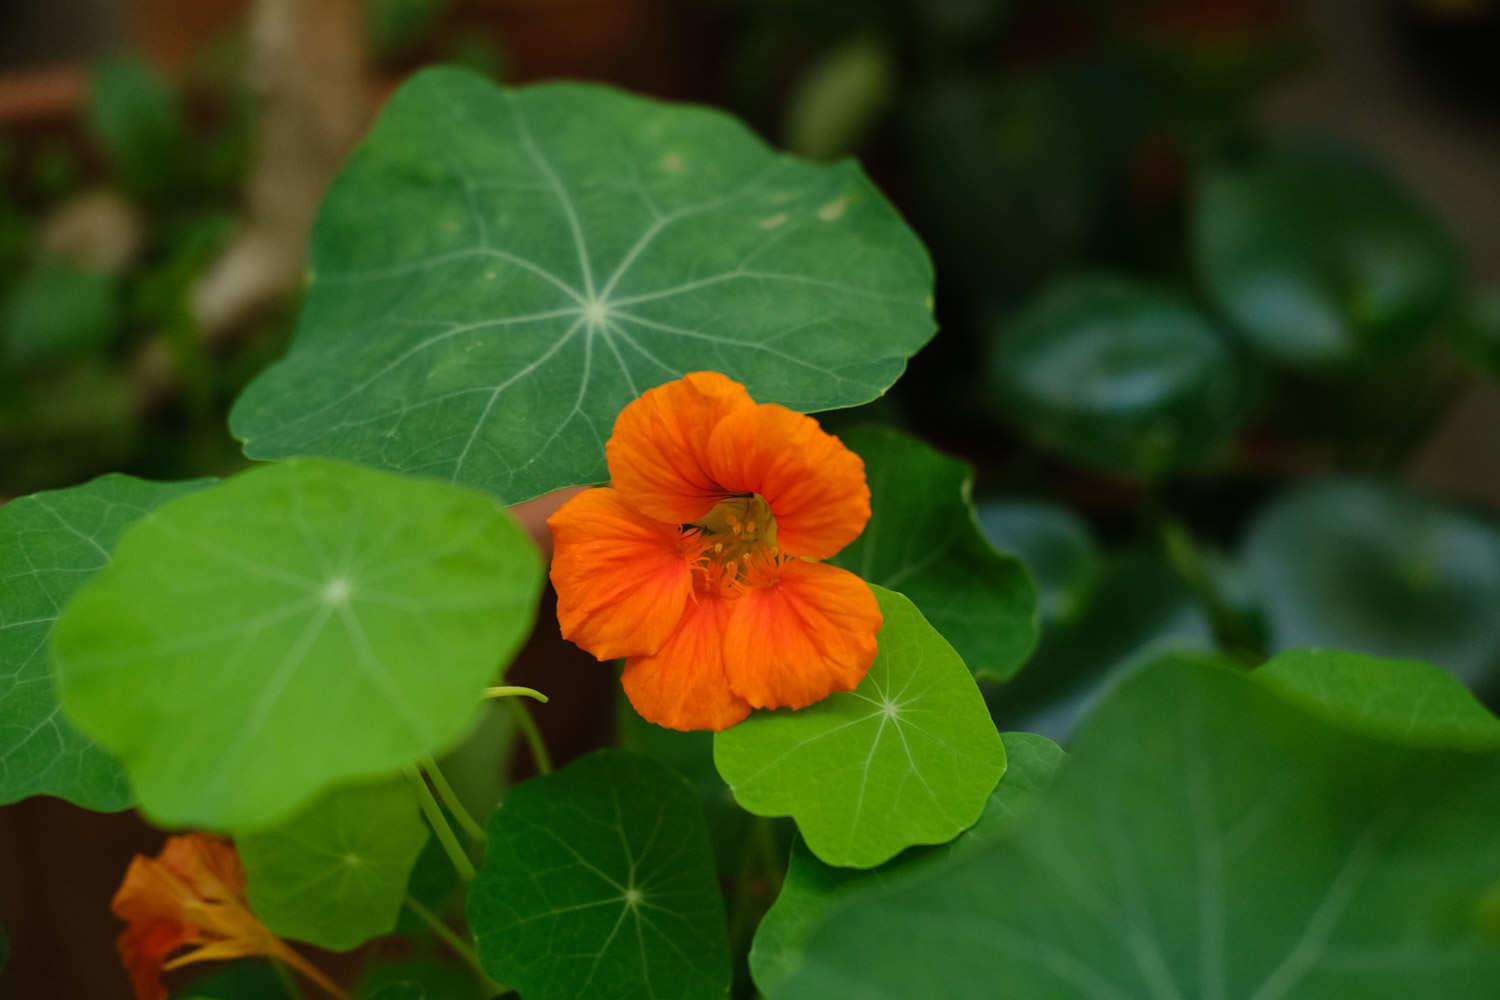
(57, 309)
(922, 540)
(256, 643)
(1321, 260)
(136, 119)
(336, 874)
(1118, 376)
(1205, 839)
(50, 545)
(1476, 331)
(599, 880)
(840, 99)
(908, 757)
(1055, 544)
(543, 255)
(244, 979)
(1371, 568)
(418, 978)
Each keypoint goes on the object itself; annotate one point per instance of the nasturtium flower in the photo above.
(699, 564)
(192, 895)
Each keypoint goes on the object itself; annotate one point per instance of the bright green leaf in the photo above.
(542, 256)
(50, 545)
(1052, 542)
(1119, 377)
(599, 881)
(1374, 569)
(908, 757)
(58, 309)
(1205, 839)
(335, 875)
(922, 541)
(300, 626)
(1405, 701)
(811, 887)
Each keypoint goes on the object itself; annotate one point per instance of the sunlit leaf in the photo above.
(908, 757)
(50, 545)
(302, 625)
(599, 881)
(541, 256)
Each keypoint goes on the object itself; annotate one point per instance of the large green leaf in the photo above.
(922, 540)
(1205, 839)
(811, 888)
(1119, 377)
(335, 875)
(301, 625)
(1321, 259)
(541, 256)
(50, 545)
(908, 757)
(1375, 569)
(1052, 542)
(599, 881)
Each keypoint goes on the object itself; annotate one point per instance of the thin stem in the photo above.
(439, 823)
(514, 691)
(533, 736)
(451, 800)
(453, 941)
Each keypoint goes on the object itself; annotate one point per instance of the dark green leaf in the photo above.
(134, 116)
(58, 309)
(1477, 331)
(243, 979)
(1053, 543)
(429, 977)
(599, 881)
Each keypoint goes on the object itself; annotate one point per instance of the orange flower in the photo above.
(699, 565)
(192, 893)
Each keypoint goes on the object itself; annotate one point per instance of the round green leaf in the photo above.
(908, 757)
(1321, 260)
(1377, 570)
(1053, 543)
(922, 541)
(335, 876)
(301, 625)
(1204, 839)
(50, 545)
(542, 256)
(599, 881)
(1119, 377)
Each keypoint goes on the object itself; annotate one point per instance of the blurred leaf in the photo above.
(1476, 332)
(1204, 839)
(599, 881)
(1321, 260)
(403, 990)
(1056, 545)
(242, 979)
(476, 768)
(335, 875)
(397, 26)
(61, 425)
(384, 980)
(136, 119)
(57, 309)
(1377, 570)
(1119, 377)
(922, 540)
(811, 888)
(51, 544)
(343, 586)
(840, 99)
(860, 797)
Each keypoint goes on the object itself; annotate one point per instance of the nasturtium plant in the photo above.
(1055, 544)
(922, 541)
(543, 255)
(254, 644)
(51, 543)
(908, 757)
(335, 875)
(599, 880)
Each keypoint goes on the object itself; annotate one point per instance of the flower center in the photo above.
(735, 534)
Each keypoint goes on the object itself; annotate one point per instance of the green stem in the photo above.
(450, 799)
(439, 823)
(533, 736)
(514, 691)
(459, 946)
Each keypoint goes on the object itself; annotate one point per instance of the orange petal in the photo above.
(144, 948)
(684, 686)
(622, 579)
(800, 636)
(658, 453)
(815, 486)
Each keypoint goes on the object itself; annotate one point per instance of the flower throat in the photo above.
(736, 535)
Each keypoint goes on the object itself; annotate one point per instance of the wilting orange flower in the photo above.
(192, 894)
(699, 565)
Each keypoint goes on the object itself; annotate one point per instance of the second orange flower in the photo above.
(699, 564)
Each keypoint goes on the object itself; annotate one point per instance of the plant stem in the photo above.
(439, 823)
(451, 800)
(453, 941)
(514, 691)
(534, 739)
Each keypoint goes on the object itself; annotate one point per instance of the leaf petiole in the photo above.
(450, 799)
(514, 691)
(445, 835)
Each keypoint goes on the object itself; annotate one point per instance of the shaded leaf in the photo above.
(134, 116)
(1055, 544)
(58, 309)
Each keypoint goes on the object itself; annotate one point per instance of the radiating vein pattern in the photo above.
(536, 258)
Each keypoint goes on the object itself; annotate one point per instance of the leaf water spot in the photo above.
(771, 222)
(834, 209)
(337, 590)
(672, 163)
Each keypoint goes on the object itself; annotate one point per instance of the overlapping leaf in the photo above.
(50, 545)
(541, 256)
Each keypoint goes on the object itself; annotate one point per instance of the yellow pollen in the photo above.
(735, 533)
